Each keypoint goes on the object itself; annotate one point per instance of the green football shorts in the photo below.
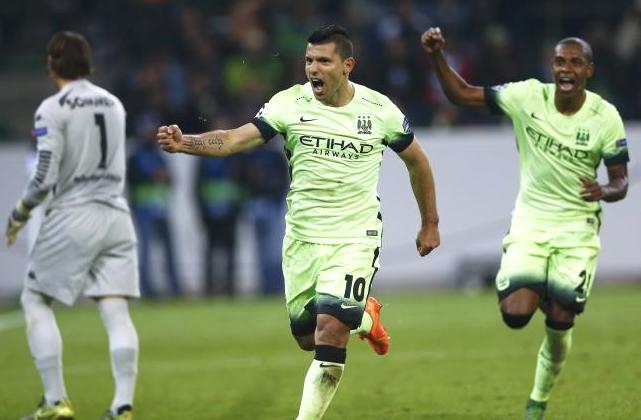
(327, 279)
(559, 265)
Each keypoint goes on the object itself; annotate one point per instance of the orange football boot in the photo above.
(377, 337)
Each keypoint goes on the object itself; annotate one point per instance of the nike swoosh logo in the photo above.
(343, 306)
(533, 115)
(323, 365)
(303, 119)
(580, 300)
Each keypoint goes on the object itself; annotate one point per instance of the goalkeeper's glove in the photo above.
(18, 218)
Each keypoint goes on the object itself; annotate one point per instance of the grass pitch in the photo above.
(451, 358)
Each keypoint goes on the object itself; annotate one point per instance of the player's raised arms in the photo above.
(457, 90)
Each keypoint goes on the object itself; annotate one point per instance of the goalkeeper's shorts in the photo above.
(88, 249)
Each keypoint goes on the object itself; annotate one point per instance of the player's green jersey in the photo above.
(334, 156)
(556, 150)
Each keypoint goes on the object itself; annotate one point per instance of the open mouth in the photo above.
(317, 85)
(566, 83)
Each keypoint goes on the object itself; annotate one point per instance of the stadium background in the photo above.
(208, 64)
(213, 64)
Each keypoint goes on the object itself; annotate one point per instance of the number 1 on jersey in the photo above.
(99, 119)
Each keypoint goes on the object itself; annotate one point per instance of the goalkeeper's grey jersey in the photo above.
(81, 148)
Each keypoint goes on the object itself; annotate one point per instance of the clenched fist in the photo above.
(170, 138)
(427, 239)
(432, 40)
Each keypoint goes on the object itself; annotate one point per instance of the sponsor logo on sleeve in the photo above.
(39, 131)
(502, 282)
(406, 126)
(621, 143)
(260, 112)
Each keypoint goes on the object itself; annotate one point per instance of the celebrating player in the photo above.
(335, 133)
(563, 132)
(86, 244)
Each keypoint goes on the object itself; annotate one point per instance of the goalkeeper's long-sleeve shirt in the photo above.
(80, 135)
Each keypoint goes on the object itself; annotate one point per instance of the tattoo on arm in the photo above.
(203, 144)
(188, 141)
(194, 142)
(216, 142)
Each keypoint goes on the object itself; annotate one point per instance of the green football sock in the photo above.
(550, 361)
(366, 325)
(321, 383)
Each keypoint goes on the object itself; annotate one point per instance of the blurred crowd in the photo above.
(212, 64)
(249, 187)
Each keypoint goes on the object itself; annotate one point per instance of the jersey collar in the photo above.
(309, 95)
(587, 104)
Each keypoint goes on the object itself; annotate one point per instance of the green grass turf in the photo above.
(451, 358)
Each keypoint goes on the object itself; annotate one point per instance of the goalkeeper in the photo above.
(86, 244)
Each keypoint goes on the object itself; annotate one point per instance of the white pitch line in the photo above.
(11, 320)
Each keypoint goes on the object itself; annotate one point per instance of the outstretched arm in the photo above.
(457, 90)
(212, 143)
(615, 190)
(422, 181)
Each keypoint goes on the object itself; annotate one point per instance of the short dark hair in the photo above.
(336, 34)
(70, 55)
(587, 49)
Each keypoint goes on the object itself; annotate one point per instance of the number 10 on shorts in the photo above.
(354, 287)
